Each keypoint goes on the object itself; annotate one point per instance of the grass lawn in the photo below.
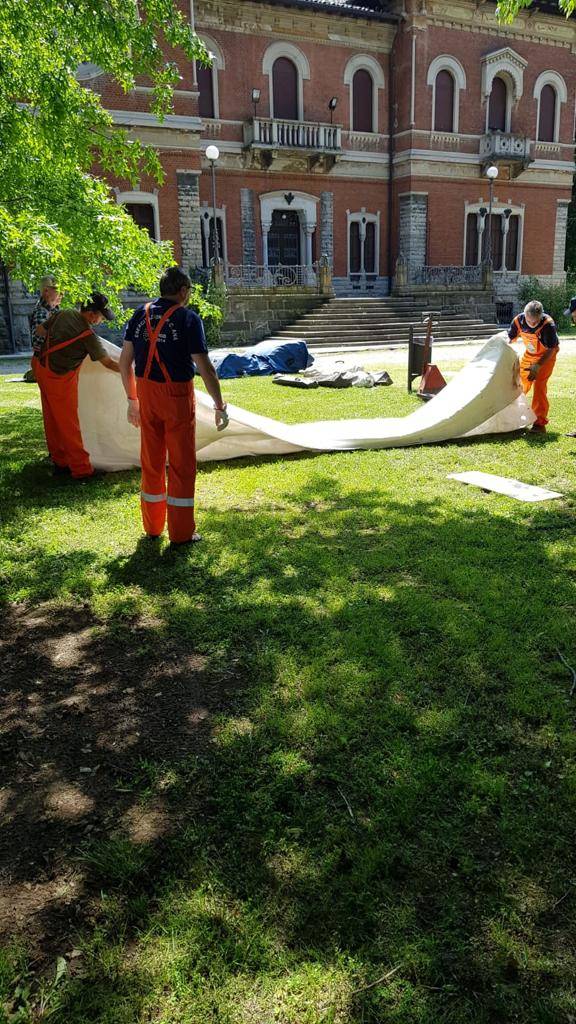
(320, 768)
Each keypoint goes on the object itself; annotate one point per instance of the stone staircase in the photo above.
(358, 323)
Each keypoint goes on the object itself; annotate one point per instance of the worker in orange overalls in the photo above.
(164, 340)
(61, 345)
(538, 333)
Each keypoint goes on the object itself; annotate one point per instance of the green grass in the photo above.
(381, 828)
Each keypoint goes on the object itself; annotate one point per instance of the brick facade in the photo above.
(318, 176)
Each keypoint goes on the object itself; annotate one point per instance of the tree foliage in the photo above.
(55, 215)
(508, 10)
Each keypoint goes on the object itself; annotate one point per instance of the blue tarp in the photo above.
(263, 360)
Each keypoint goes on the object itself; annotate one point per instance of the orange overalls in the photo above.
(167, 423)
(59, 395)
(534, 350)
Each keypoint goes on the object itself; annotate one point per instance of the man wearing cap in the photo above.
(537, 331)
(166, 340)
(65, 339)
(48, 303)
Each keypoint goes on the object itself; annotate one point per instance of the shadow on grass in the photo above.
(329, 755)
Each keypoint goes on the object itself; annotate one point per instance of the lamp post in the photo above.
(255, 100)
(332, 104)
(491, 174)
(212, 154)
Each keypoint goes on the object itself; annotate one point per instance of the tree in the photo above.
(55, 214)
(507, 10)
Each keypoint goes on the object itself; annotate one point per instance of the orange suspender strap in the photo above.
(61, 344)
(153, 335)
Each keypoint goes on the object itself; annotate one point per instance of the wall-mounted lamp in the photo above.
(332, 104)
(255, 99)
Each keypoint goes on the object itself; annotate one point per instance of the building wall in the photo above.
(445, 168)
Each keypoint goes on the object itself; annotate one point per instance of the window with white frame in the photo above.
(503, 233)
(549, 92)
(447, 79)
(286, 68)
(208, 240)
(207, 80)
(143, 208)
(365, 78)
(502, 86)
(363, 244)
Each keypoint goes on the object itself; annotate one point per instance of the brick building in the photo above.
(362, 130)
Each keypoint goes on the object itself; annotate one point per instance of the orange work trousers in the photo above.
(540, 403)
(167, 426)
(59, 395)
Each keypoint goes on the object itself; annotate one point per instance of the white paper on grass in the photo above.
(505, 485)
(484, 398)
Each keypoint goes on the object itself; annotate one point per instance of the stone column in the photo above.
(413, 228)
(189, 219)
(248, 225)
(327, 226)
(265, 229)
(309, 231)
(560, 239)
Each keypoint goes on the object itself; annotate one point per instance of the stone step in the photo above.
(296, 332)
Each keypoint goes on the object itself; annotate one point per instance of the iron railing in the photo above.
(261, 277)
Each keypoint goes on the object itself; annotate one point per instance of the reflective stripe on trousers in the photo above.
(167, 429)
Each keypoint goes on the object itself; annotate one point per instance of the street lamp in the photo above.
(212, 154)
(255, 100)
(491, 174)
(332, 104)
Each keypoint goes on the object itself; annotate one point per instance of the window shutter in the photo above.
(512, 243)
(498, 104)
(285, 89)
(206, 90)
(355, 247)
(362, 102)
(444, 102)
(471, 240)
(370, 248)
(143, 215)
(547, 119)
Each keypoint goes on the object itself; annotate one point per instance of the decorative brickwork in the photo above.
(413, 228)
(327, 226)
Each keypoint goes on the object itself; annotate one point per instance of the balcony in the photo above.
(313, 145)
(506, 149)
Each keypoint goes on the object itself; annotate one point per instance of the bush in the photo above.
(210, 301)
(554, 298)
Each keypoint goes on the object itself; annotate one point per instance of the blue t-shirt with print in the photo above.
(181, 338)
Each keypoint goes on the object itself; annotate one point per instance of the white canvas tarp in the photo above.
(484, 398)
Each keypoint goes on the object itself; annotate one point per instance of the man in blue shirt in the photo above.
(163, 341)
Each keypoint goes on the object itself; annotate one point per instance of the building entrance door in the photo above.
(284, 239)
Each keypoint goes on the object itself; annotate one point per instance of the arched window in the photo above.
(144, 210)
(444, 102)
(205, 79)
(365, 78)
(498, 105)
(471, 258)
(512, 239)
(547, 114)
(285, 89)
(362, 102)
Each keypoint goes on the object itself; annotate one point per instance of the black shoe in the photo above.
(98, 474)
(152, 536)
(177, 544)
(60, 470)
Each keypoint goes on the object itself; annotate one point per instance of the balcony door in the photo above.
(284, 239)
(285, 89)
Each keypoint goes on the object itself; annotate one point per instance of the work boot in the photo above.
(538, 428)
(60, 470)
(177, 544)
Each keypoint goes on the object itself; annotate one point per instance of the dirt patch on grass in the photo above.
(86, 711)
